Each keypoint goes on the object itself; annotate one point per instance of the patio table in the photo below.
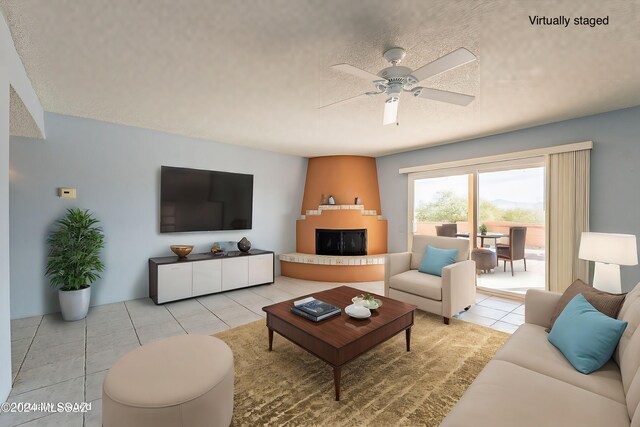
(494, 236)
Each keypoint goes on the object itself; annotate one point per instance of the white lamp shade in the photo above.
(620, 249)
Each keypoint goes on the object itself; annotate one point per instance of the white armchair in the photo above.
(447, 295)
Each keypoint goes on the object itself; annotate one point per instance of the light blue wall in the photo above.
(5, 324)
(116, 170)
(615, 171)
(12, 74)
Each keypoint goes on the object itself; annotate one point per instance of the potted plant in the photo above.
(74, 261)
(483, 229)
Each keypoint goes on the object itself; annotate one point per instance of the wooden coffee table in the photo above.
(340, 339)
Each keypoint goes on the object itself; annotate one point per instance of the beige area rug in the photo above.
(387, 386)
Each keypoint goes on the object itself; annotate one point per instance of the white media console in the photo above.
(172, 278)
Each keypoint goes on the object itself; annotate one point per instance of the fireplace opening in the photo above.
(341, 242)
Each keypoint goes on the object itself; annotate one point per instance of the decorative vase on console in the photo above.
(357, 201)
(332, 201)
(244, 245)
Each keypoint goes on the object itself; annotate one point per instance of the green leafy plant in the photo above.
(483, 229)
(74, 251)
(367, 297)
(369, 301)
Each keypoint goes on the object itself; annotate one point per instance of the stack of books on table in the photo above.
(313, 309)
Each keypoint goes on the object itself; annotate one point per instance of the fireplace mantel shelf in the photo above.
(365, 212)
(301, 258)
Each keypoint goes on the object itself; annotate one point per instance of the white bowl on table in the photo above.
(358, 311)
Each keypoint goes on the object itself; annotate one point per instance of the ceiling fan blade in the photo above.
(346, 101)
(450, 61)
(443, 96)
(391, 111)
(355, 71)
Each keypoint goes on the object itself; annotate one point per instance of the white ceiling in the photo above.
(253, 72)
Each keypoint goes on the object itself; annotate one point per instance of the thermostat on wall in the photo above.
(67, 193)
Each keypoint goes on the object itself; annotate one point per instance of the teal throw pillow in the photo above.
(435, 259)
(585, 336)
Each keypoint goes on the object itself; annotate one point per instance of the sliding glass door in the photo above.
(499, 207)
(513, 199)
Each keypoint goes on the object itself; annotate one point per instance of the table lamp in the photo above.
(609, 251)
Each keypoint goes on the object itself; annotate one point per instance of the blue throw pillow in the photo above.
(435, 259)
(585, 336)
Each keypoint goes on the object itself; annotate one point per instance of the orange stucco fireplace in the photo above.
(345, 178)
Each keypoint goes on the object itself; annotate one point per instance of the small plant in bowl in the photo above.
(367, 300)
(483, 229)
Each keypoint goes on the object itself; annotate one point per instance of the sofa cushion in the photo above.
(507, 395)
(416, 283)
(604, 302)
(420, 242)
(627, 354)
(585, 336)
(635, 420)
(528, 347)
(435, 259)
(633, 397)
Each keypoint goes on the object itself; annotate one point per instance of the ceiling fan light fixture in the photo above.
(391, 110)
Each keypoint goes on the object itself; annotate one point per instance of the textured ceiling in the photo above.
(21, 122)
(253, 72)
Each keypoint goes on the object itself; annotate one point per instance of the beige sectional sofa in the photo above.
(447, 295)
(529, 383)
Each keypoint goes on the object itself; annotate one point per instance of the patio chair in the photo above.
(514, 251)
(447, 230)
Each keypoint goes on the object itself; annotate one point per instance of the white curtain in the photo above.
(567, 217)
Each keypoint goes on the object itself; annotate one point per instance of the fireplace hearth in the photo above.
(341, 242)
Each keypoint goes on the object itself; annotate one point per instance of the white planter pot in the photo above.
(74, 305)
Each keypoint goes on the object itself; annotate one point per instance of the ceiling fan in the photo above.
(396, 79)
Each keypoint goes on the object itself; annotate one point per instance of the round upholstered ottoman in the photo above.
(485, 259)
(178, 381)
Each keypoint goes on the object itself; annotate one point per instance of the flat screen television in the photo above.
(201, 200)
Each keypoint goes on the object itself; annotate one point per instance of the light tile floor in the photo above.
(496, 312)
(58, 361)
